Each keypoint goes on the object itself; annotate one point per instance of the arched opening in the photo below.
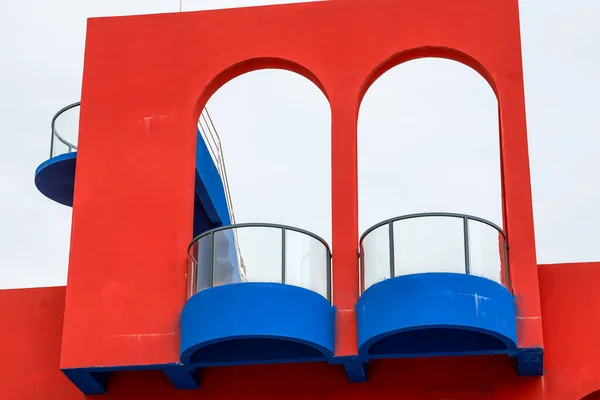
(264, 139)
(428, 140)
(267, 139)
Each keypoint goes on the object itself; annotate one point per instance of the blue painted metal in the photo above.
(356, 371)
(432, 314)
(88, 382)
(251, 323)
(209, 186)
(530, 362)
(94, 380)
(55, 178)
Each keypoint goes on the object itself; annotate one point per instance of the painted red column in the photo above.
(344, 166)
(518, 211)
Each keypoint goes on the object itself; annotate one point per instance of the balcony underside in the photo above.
(433, 314)
(254, 323)
(55, 178)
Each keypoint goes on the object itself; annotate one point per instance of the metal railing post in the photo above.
(211, 258)
(329, 283)
(211, 261)
(466, 242)
(466, 239)
(392, 250)
(283, 256)
(507, 270)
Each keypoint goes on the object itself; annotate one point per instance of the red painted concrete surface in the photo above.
(146, 78)
(31, 322)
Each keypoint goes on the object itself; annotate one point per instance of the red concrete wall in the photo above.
(146, 78)
(30, 333)
(30, 329)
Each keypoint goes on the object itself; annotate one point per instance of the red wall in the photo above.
(31, 330)
(146, 78)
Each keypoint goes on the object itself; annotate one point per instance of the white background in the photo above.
(428, 134)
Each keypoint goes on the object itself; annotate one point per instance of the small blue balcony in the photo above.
(258, 293)
(55, 177)
(435, 284)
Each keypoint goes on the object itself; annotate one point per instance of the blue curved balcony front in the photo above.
(435, 284)
(258, 293)
(434, 314)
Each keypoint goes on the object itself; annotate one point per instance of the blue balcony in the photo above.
(258, 293)
(435, 284)
(55, 177)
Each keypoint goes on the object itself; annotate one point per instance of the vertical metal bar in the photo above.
(282, 255)
(211, 260)
(329, 296)
(52, 142)
(361, 269)
(467, 256)
(506, 266)
(392, 255)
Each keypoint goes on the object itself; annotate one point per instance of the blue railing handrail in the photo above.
(465, 217)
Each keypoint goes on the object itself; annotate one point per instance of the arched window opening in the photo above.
(428, 139)
(267, 133)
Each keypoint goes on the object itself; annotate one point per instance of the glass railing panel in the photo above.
(261, 249)
(306, 262)
(486, 251)
(201, 268)
(375, 260)
(65, 130)
(259, 253)
(431, 244)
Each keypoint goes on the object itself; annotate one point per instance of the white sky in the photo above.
(275, 129)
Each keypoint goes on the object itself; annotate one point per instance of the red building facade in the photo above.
(144, 88)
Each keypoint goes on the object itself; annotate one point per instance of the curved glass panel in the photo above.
(487, 252)
(433, 242)
(259, 253)
(65, 129)
(375, 251)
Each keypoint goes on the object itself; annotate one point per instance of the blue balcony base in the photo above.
(435, 314)
(55, 178)
(91, 381)
(255, 323)
(530, 362)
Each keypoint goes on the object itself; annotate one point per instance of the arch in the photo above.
(250, 65)
(278, 172)
(390, 173)
(425, 52)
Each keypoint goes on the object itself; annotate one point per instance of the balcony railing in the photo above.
(65, 126)
(266, 252)
(65, 129)
(433, 242)
(215, 148)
